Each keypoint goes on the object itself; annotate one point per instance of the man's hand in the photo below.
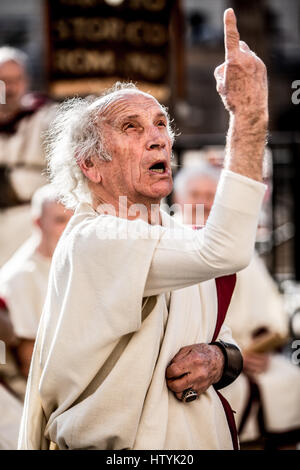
(256, 363)
(6, 329)
(242, 78)
(197, 366)
(242, 85)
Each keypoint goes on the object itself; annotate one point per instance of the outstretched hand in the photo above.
(242, 78)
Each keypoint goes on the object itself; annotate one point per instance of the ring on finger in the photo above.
(189, 395)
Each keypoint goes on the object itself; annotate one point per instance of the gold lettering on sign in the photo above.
(140, 32)
(154, 5)
(150, 66)
(151, 5)
(80, 61)
(80, 3)
(86, 86)
(61, 29)
(78, 28)
(156, 34)
(136, 33)
(98, 29)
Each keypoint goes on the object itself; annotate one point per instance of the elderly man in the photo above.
(123, 344)
(24, 117)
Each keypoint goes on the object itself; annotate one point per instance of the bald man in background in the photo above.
(24, 117)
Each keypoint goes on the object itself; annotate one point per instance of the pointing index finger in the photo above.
(231, 34)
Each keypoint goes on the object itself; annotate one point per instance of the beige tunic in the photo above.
(109, 330)
(24, 148)
(256, 303)
(23, 285)
(9, 421)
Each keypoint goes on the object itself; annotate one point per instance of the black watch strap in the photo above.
(233, 363)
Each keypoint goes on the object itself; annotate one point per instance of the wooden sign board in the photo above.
(94, 43)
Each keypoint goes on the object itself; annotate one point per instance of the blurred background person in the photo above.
(23, 286)
(266, 395)
(10, 421)
(24, 117)
(24, 278)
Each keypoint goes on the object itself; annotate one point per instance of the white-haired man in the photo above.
(123, 346)
(24, 117)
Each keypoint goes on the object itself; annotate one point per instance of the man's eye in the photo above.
(162, 123)
(129, 125)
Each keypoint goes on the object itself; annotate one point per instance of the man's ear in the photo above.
(90, 170)
(37, 222)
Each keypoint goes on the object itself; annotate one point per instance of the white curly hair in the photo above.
(75, 136)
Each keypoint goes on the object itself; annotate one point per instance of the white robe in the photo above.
(22, 151)
(9, 421)
(109, 330)
(23, 285)
(257, 303)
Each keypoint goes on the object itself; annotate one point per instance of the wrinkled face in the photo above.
(14, 77)
(53, 221)
(200, 190)
(134, 128)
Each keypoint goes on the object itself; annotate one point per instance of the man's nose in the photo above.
(155, 141)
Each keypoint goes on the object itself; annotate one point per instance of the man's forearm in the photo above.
(245, 145)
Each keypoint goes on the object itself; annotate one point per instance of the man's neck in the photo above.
(144, 209)
(8, 115)
(45, 249)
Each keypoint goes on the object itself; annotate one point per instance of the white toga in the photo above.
(109, 328)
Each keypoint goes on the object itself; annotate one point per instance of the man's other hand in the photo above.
(196, 366)
(256, 363)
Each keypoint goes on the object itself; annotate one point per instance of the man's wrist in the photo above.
(233, 363)
(219, 360)
(255, 123)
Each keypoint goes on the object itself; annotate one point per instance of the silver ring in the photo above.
(189, 395)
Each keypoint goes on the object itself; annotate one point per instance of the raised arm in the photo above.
(226, 244)
(242, 85)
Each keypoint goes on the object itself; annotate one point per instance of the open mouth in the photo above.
(158, 167)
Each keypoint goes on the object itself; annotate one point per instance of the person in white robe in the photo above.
(10, 421)
(271, 410)
(24, 278)
(256, 308)
(24, 117)
(23, 286)
(122, 358)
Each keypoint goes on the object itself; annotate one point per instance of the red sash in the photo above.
(225, 287)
